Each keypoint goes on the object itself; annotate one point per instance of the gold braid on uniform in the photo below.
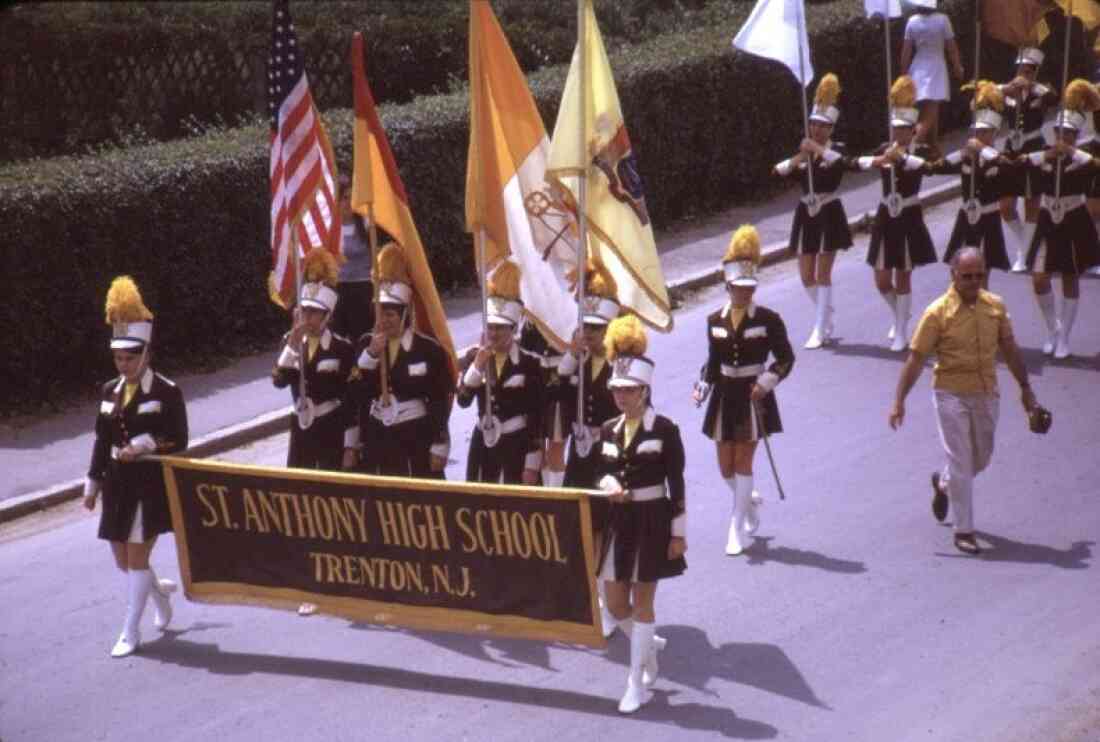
(625, 337)
(124, 303)
(903, 93)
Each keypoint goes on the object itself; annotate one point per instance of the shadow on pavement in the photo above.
(762, 552)
(1001, 549)
(513, 653)
(866, 350)
(688, 716)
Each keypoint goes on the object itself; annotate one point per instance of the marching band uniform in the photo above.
(400, 440)
(899, 237)
(978, 222)
(1025, 114)
(645, 458)
(1065, 238)
(739, 345)
(820, 222)
(147, 417)
(329, 365)
(556, 416)
(514, 381)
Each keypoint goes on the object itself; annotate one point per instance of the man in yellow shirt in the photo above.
(964, 328)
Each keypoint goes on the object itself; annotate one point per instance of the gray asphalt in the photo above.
(850, 618)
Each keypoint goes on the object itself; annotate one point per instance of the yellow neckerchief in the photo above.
(313, 343)
(597, 365)
(392, 344)
(630, 427)
(129, 392)
(500, 358)
(737, 315)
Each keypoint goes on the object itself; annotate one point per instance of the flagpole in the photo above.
(1056, 215)
(889, 85)
(484, 269)
(383, 366)
(302, 407)
(976, 159)
(582, 197)
(802, 54)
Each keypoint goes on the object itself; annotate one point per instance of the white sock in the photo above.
(811, 292)
(901, 316)
(1069, 315)
(891, 300)
(1046, 306)
(140, 583)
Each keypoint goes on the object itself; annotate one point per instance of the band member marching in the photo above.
(140, 413)
(506, 445)
(1065, 239)
(405, 386)
(982, 169)
(555, 416)
(641, 467)
(820, 226)
(323, 432)
(741, 336)
(899, 237)
(1026, 104)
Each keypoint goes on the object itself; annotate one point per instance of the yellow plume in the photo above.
(828, 90)
(1081, 96)
(903, 94)
(392, 266)
(744, 245)
(124, 302)
(625, 337)
(504, 281)
(598, 281)
(988, 96)
(320, 266)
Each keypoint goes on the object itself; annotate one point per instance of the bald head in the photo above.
(967, 273)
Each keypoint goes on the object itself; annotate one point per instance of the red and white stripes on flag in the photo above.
(303, 173)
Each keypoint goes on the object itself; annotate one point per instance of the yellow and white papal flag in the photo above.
(619, 229)
(506, 190)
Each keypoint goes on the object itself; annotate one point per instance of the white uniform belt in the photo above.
(1027, 136)
(645, 494)
(740, 372)
(905, 202)
(1068, 202)
(410, 409)
(320, 409)
(822, 198)
(986, 208)
(512, 424)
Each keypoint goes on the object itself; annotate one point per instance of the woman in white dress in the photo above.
(928, 48)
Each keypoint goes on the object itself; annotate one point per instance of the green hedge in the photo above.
(75, 75)
(189, 219)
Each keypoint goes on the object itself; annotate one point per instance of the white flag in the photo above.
(776, 29)
(887, 8)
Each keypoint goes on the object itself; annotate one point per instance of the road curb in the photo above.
(278, 421)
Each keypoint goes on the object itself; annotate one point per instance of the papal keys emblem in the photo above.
(616, 159)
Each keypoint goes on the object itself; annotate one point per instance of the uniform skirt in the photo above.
(987, 234)
(561, 405)
(1070, 247)
(828, 231)
(634, 547)
(902, 243)
(132, 490)
(729, 413)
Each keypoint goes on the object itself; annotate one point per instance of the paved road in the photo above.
(851, 618)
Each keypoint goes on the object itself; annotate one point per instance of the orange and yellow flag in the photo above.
(376, 183)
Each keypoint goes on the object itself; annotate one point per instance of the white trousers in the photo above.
(967, 423)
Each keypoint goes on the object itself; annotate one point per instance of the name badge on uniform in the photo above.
(610, 449)
(515, 382)
(329, 365)
(106, 408)
(654, 445)
(756, 332)
(418, 369)
(719, 332)
(153, 405)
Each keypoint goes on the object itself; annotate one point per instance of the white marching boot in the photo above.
(818, 335)
(650, 666)
(552, 478)
(1046, 306)
(608, 622)
(829, 312)
(752, 518)
(1014, 232)
(1069, 314)
(891, 300)
(139, 583)
(636, 694)
(744, 515)
(901, 322)
(162, 601)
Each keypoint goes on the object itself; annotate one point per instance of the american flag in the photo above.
(303, 177)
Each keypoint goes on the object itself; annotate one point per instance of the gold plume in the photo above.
(903, 94)
(320, 266)
(504, 281)
(744, 245)
(392, 266)
(988, 95)
(124, 302)
(828, 90)
(598, 281)
(1082, 96)
(625, 337)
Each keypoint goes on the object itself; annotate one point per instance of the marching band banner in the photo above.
(489, 560)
